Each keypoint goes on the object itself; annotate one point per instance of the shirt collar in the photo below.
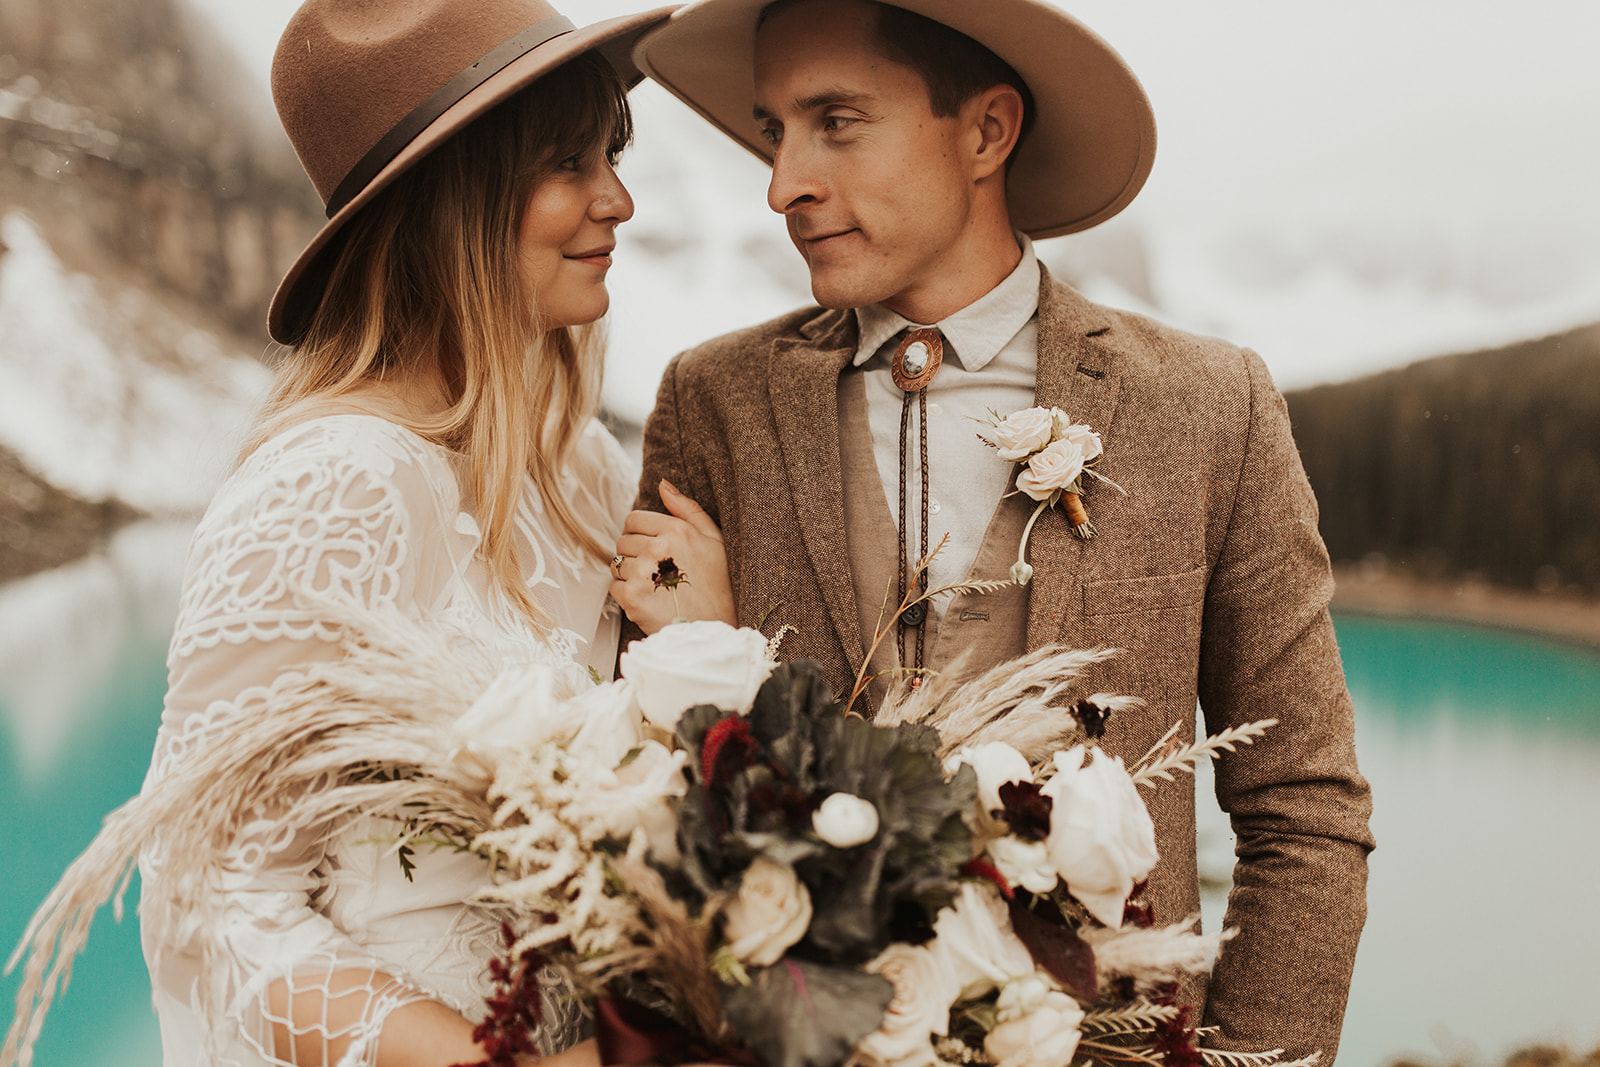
(975, 334)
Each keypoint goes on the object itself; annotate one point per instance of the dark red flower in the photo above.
(1092, 717)
(515, 1010)
(986, 870)
(1026, 810)
(1137, 911)
(735, 732)
(667, 574)
(1175, 1041)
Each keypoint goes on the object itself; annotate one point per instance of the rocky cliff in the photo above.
(148, 204)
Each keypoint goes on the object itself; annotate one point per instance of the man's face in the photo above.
(874, 186)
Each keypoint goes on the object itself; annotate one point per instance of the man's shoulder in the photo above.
(1144, 347)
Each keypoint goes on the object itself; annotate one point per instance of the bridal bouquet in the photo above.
(727, 866)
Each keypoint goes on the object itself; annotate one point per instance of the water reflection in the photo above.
(1482, 749)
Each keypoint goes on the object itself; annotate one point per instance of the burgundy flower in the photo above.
(1092, 717)
(1026, 810)
(734, 731)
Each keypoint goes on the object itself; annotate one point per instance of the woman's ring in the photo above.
(616, 564)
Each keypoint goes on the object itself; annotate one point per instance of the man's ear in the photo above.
(997, 115)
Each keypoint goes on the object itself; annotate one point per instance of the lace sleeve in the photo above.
(341, 510)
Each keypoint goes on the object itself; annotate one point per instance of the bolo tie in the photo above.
(916, 360)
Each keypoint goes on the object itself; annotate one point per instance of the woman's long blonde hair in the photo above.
(428, 271)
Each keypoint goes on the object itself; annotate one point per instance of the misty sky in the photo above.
(1414, 175)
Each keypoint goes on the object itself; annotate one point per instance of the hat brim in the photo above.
(1093, 140)
(301, 289)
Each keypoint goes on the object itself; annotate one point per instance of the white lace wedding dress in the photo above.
(355, 508)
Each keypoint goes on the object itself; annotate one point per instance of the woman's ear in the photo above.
(997, 115)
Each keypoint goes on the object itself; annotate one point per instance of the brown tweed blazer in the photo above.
(1209, 573)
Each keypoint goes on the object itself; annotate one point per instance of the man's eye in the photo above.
(836, 123)
(770, 135)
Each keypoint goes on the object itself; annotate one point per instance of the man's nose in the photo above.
(796, 180)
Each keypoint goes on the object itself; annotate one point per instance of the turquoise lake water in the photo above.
(1482, 747)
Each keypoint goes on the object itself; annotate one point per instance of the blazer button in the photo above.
(915, 615)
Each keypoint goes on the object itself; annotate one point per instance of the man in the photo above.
(904, 163)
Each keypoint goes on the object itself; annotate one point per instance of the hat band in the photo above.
(445, 97)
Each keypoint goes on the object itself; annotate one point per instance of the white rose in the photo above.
(692, 663)
(1046, 1036)
(1022, 433)
(770, 913)
(608, 723)
(637, 797)
(1024, 863)
(1101, 838)
(1053, 468)
(974, 938)
(923, 992)
(523, 708)
(996, 763)
(845, 820)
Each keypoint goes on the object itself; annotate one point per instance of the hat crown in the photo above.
(346, 72)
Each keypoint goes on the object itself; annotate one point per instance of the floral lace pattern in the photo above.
(347, 508)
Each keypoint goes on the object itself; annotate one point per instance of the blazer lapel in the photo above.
(803, 384)
(1080, 376)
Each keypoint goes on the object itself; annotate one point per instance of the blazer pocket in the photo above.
(1145, 594)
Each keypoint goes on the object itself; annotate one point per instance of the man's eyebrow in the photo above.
(820, 99)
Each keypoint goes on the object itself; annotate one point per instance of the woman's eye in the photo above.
(572, 163)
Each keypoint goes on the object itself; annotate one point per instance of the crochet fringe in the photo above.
(366, 735)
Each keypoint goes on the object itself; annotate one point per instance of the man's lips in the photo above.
(822, 238)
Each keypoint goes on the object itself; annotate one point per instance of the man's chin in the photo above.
(839, 295)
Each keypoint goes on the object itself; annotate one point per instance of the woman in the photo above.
(428, 449)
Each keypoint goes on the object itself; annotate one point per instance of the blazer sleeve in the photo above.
(669, 436)
(1298, 805)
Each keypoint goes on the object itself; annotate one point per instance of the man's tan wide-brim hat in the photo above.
(366, 88)
(1094, 136)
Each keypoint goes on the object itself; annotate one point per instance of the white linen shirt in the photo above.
(991, 354)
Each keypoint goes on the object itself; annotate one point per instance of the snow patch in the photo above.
(104, 392)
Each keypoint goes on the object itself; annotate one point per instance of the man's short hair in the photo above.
(953, 66)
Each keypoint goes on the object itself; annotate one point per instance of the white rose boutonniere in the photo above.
(770, 913)
(691, 663)
(1101, 838)
(1058, 454)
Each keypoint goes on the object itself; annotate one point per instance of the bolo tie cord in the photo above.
(915, 362)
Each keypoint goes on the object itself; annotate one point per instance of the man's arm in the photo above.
(1298, 804)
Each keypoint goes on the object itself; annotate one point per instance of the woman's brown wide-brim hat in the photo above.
(366, 88)
(1094, 135)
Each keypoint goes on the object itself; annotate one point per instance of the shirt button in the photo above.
(933, 507)
(934, 409)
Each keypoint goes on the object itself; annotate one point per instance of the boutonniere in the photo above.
(1057, 454)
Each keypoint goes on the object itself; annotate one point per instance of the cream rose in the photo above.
(1055, 467)
(638, 797)
(523, 708)
(1045, 1036)
(1024, 863)
(1101, 838)
(692, 663)
(996, 763)
(924, 989)
(1021, 433)
(770, 913)
(845, 820)
(975, 939)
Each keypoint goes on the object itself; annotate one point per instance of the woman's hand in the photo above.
(690, 539)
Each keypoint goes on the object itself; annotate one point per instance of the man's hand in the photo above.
(689, 539)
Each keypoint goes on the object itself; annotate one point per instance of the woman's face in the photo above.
(568, 231)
